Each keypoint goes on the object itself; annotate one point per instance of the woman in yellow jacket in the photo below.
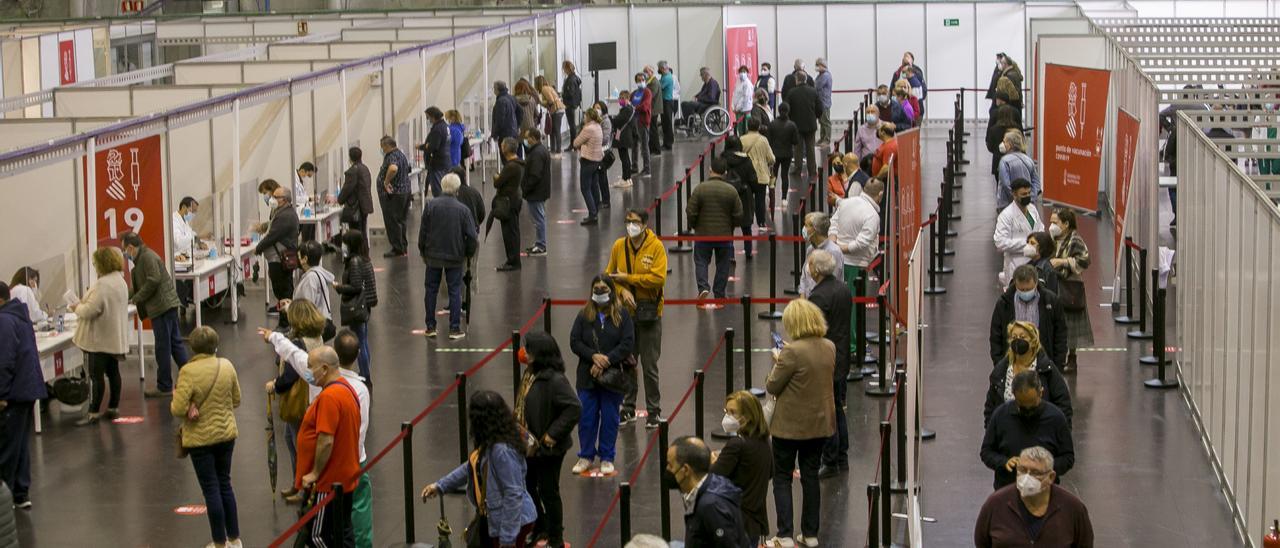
(206, 397)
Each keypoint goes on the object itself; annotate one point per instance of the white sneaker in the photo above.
(606, 468)
(626, 183)
(807, 542)
(237, 543)
(777, 542)
(581, 466)
(619, 183)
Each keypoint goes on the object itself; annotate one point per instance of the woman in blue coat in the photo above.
(603, 336)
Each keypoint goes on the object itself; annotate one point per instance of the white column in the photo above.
(235, 210)
(484, 93)
(342, 115)
(536, 52)
(91, 198)
(422, 110)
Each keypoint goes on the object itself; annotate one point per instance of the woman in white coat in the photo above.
(102, 330)
(1015, 223)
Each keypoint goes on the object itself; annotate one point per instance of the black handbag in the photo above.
(620, 378)
(502, 209)
(71, 390)
(607, 161)
(353, 311)
(350, 214)
(1071, 295)
(646, 310)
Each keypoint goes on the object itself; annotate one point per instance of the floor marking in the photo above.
(191, 510)
(126, 420)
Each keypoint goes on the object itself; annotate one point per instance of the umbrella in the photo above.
(443, 529)
(271, 445)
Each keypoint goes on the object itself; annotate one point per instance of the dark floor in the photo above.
(1140, 466)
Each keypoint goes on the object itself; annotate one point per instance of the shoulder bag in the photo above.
(293, 403)
(477, 532)
(646, 309)
(619, 378)
(193, 413)
(354, 310)
(288, 258)
(1071, 294)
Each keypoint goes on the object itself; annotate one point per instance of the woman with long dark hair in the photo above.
(359, 291)
(494, 474)
(603, 336)
(548, 409)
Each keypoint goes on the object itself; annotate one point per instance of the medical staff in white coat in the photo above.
(1015, 223)
(185, 239)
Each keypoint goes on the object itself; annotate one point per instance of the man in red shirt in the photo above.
(888, 149)
(329, 449)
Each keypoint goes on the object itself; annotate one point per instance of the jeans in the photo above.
(554, 135)
(804, 156)
(395, 209)
(538, 212)
(702, 252)
(15, 447)
(103, 365)
(836, 451)
(433, 181)
(332, 527)
(213, 470)
(668, 123)
(785, 454)
(362, 332)
(169, 345)
(649, 347)
(542, 481)
(511, 239)
(642, 146)
(598, 425)
(362, 511)
(588, 170)
(453, 278)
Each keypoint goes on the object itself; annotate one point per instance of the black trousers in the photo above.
(655, 143)
(542, 481)
(571, 116)
(782, 170)
(332, 526)
(16, 422)
(360, 226)
(805, 156)
(103, 365)
(511, 239)
(624, 154)
(281, 280)
(785, 454)
(395, 209)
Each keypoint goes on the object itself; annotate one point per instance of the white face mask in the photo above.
(1055, 230)
(634, 229)
(1029, 486)
(1004, 149)
(804, 232)
(1029, 251)
(730, 424)
(872, 119)
(310, 377)
(600, 298)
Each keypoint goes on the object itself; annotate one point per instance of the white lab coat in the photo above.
(300, 195)
(184, 237)
(1010, 237)
(28, 297)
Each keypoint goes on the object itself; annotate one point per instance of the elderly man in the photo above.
(712, 514)
(446, 237)
(836, 302)
(856, 230)
(153, 292)
(395, 194)
(1027, 300)
(823, 85)
(1035, 511)
(1026, 421)
(329, 448)
(707, 97)
(817, 233)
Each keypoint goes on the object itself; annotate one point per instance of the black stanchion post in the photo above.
(702, 168)
(747, 376)
(886, 526)
(679, 222)
(1161, 381)
(407, 466)
(796, 252)
(1157, 322)
(699, 400)
(900, 416)
(772, 313)
(336, 505)
(515, 364)
(624, 512)
(546, 314)
(657, 216)
(1127, 318)
(864, 361)
(1141, 332)
(728, 378)
(873, 525)
(664, 497)
(462, 416)
(934, 238)
(882, 387)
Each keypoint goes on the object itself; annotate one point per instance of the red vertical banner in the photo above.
(906, 208)
(740, 49)
(1126, 147)
(1075, 118)
(67, 62)
(129, 187)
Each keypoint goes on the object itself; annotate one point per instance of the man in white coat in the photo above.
(1017, 221)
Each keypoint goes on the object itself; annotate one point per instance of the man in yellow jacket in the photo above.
(638, 265)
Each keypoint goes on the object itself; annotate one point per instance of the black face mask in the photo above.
(669, 481)
(1020, 346)
(1024, 201)
(837, 168)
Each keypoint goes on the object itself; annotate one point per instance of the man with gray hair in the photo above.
(446, 237)
(1035, 510)
(823, 83)
(395, 194)
(797, 77)
(644, 540)
(815, 231)
(835, 301)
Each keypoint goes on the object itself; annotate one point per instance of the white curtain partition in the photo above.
(1228, 315)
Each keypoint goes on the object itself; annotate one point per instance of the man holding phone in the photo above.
(638, 265)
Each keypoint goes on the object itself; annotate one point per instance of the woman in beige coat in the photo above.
(102, 331)
(803, 417)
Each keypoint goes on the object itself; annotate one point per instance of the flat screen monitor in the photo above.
(602, 56)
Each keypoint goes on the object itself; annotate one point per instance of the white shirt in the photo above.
(1012, 229)
(299, 190)
(362, 396)
(856, 227)
(184, 237)
(28, 297)
(297, 359)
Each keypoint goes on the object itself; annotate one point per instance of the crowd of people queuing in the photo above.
(323, 379)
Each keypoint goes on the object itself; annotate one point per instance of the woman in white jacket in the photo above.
(102, 331)
(1015, 223)
(743, 95)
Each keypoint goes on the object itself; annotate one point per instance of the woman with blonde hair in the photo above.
(1025, 353)
(306, 325)
(551, 101)
(803, 417)
(457, 135)
(747, 459)
(102, 331)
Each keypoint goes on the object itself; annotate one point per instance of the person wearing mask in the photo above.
(589, 143)
(571, 94)
(435, 151)
(1027, 300)
(757, 148)
(279, 241)
(1025, 353)
(667, 85)
(836, 303)
(855, 228)
(205, 399)
(1014, 164)
(546, 409)
(306, 326)
(890, 109)
(823, 84)
(395, 194)
(1004, 118)
(909, 67)
(152, 291)
(535, 187)
(25, 288)
(303, 177)
(329, 448)
(1040, 250)
(21, 384)
(766, 81)
(626, 134)
(459, 143)
(102, 331)
(1070, 260)
(865, 140)
(638, 267)
(529, 101)
(601, 188)
(742, 175)
(506, 117)
(712, 503)
(656, 110)
(910, 107)
(784, 137)
(347, 345)
(1034, 511)
(846, 179)
(1016, 221)
(760, 108)
(806, 108)
(186, 242)
(314, 284)
(603, 336)
(714, 208)
(747, 460)
(1005, 67)
(708, 96)
(359, 293)
(446, 238)
(553, 104)
(1006, 86)
(815, 231)
(803, 416)
(1026, 421)
(494, 474)
(356, 196)
(798, 76)
(642, 101)
(506, 186)
(743, 92)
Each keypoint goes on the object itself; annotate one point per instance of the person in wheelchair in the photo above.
(707, 97)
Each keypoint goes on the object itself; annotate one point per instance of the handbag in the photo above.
(71, 390)
(607, 161)
(350, 214)
(620, 379)
(294, 402)
(288, 258)
(193, 412)
(1071, 295)
(501, 208)
(477, 532)
(646, 309)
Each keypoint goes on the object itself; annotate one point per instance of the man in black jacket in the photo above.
(836, 302)
(571, 95)
(1026, 421)
(712, 513)
(806, 108)
(436, 149)
(536, 187)
(356, 194)
(446, 238)
(506, 114)
(506, 203)
(1028, 301)
(281, 237)
(798, 76)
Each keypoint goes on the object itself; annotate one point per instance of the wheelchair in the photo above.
(712, 122)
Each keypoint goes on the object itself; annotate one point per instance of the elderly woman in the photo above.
(1070, 261)
(747, 459)
(1014, 164)
(803, 417)
(1025, 353)
(103, 330)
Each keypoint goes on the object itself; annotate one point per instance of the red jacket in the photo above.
(644, 110)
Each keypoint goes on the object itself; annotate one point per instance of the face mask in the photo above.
(804, 232)
(1020, 346)
(600, 298)
(634, 229)
(1028, 296)
(622, 102)
(730, 424)
(189, 217)
(669, 480)
(764, 72)
(1029, 486)
(882, 99)
(267, 200)
(1024, 201)
(1029, 251)
(837, 168)
(310, 377)
(1004, 149)
(872, 119)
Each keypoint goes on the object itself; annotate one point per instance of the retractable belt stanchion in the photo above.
(664, 496)
(624, 509)
(728, 378)
(546, 314)
(1127, 317)
(863, 360)
(657, 216)
(1141, 332)
(747, 376)
(1157, 323)
(407, 469)
(680, 231)
(1161, 381)
(886, 526)
(882, 387)
(873, 521)
(773, 313)
(699, 400)
(848, 138)
(934, 256)
(796, 252)
(462, 416)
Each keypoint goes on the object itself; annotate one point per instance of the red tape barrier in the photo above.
(1129, 243)
(728, 238)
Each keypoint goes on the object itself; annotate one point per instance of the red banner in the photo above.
(67, 62)
(130, 192)
(740, 49)
(1126, 147)
(1074, 119)
(906, 206)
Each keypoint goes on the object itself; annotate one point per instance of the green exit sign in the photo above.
(950, 22)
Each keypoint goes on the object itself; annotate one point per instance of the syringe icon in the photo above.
(135, 175)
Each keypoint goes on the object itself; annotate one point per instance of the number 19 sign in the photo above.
(130, 192)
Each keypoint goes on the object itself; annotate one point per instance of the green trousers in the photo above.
(362, 512)
(851, 275)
